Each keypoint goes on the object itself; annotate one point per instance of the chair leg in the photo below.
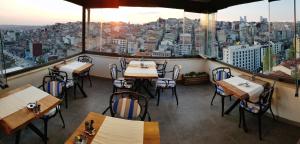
(240, 115)
(259, 127)
(272, 113)
(222, 105)
(149, 117)
(211, 102)
(90, 80)
(82, 82)
(62, 119)
(230, 98)
(175, 91)
(158, 96)
(104, 112)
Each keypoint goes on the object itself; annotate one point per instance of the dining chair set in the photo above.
(258, 108)
(129, 87)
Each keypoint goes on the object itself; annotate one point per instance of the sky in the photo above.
(43, 12)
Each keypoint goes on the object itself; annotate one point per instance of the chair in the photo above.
(86, 74)
(56, 87)
(128, 105)
(123, 65)
(161, 69)
(257, 108)
(218, 74)
(119, 82)
(168, 83)
(69, 82)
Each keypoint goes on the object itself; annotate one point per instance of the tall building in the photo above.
(243, 56)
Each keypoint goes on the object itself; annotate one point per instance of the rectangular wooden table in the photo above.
(76, 72)
(151, 129)
(141, 74)
(16, 121)
(236, 92)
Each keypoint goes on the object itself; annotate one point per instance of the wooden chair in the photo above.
(168, 83)
(136, 106)
(218, 74)
(257, 108)
(56, 87)
(86, 74)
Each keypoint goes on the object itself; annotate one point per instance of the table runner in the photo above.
(140, 71)
(146, 63)
(120, 131)
(19, 100)
(70, 67)
(254, 90)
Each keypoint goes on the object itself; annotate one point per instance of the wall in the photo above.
(284, 104)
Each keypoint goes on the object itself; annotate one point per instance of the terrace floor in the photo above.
(194, 121)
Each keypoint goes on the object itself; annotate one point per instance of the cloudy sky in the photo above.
(42, 12)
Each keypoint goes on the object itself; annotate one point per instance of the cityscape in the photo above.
(244, 44)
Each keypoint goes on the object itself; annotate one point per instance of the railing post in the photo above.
(83, 28)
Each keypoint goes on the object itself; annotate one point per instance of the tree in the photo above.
(291, 53)
(267, 60)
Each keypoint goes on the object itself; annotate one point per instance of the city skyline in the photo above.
(53, 11)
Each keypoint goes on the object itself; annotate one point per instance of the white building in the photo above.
(243, 56)
(183, 49)
(122, 45)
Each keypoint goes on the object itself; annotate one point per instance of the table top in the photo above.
(134, 70)
(22, 117)
(79, 70)
(151, 129)
(236, 92)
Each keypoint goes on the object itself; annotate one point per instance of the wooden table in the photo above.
(76, 74)
(236, 92)
(15, 122)
(151, 129)
(141, 74)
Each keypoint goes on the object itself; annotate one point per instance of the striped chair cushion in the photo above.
(126, 108)
(221, 91)
(251, 107)
(122, 84)
(165, 82)
(221, 75)
(54, 88)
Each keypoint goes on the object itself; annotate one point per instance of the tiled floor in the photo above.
(194, 121)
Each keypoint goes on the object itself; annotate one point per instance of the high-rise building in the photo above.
(243, 56)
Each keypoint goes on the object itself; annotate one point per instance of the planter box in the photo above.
(194, 80)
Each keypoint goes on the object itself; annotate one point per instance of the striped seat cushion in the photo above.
(122, 84)
(126, 108)
(251, 107)
(54, 88)
(165, 82)
(221, 91)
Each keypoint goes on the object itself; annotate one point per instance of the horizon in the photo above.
(25, 13)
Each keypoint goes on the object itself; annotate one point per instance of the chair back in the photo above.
(176, 72)
(128, 105)
(162, 69)
(85, 59)
(221, 73)
(58, 74)
(113, 71)
(266, 96)
(54, 86)
(123, 63)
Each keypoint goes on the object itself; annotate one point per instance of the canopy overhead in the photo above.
(198, 6)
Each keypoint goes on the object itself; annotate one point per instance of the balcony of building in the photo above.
(194, 120)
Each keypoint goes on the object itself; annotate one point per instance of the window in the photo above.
(36, 32)
(152, 32)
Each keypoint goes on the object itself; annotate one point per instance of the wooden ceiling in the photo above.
(198, 6)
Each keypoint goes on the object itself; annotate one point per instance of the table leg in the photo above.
(76, 83)
(38, 132)
(147, 91)
(141, 85)
(232, 106)
(18, 136)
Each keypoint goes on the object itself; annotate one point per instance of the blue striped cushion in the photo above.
(54, 88)
(251, 106)
(221, 91)
(221, 75)
(126, 108)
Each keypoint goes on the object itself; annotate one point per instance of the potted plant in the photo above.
(193, 78)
